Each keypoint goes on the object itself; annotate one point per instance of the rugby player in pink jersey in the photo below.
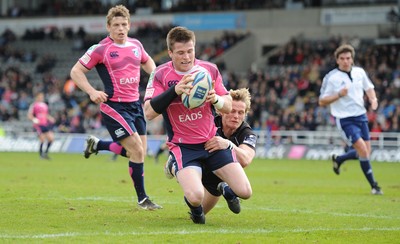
(118, 60)
(43, 122)
(188, 130)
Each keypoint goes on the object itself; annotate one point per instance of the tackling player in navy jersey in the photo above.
(234, 133)
(343, 90)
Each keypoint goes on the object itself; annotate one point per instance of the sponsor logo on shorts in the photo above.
(119, 132)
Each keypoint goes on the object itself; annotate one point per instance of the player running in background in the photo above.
(118, 60)
(234, 133)
(43, 122)
(188, 130)
(343, 89)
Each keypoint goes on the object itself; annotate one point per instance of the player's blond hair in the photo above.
(345, 48)
(179, 34)
(243, 95)
(118, 11)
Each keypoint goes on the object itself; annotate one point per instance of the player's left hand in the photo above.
(216, 143)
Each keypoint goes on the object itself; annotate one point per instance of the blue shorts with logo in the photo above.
(123, 119)
(354, 128)
(185, 155)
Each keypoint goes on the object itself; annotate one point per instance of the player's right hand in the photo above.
(98, 96)
(344, 91)
(184, 85)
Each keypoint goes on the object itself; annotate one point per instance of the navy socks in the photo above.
(196, 210)
(367, 170)
(136, 172)
(228, 193)
(350, 154)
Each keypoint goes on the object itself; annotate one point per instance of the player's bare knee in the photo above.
(136, 150)
(244, 192)
(195, 198)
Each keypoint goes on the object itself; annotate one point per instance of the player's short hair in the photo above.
(179, 34)
(118, 11)
(345, 48)
(243, 95)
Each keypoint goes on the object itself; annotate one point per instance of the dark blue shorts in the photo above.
(40, 129)
(195, 155)
(210, 181)
(354, 128)
(123, 119)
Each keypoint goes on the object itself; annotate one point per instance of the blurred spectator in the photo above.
(63, 123)
(15, 11)
(46, 63)
(375, 130)
(68, 94)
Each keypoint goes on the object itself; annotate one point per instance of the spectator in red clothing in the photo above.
(375, 130)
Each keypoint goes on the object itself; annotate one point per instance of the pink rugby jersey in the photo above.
(40, 110)
(118, 66)
(189, 126)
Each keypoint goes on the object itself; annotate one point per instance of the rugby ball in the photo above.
(201, 86)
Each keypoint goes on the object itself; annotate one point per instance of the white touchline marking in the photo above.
(247, 208)
(191, 232)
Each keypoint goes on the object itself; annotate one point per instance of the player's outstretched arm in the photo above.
(78, 75)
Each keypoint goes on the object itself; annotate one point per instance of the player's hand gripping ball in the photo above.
(201, 85)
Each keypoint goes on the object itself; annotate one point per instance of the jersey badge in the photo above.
(135, 52)
(251, 140)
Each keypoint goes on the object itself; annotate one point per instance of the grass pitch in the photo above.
(75, 200)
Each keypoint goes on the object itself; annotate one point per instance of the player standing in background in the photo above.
(343, 89)
(43, 122)
(188, 130)
(118, 59)
(235, 133)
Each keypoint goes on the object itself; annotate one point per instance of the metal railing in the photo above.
(315, 138)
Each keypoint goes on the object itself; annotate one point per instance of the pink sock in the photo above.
(116, 148)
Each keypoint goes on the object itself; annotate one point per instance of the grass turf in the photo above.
(72, 199)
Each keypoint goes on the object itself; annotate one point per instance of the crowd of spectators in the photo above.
(284, 94)
(74, 114)
(98, 7)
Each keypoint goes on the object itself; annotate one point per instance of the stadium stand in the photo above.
(284, 90)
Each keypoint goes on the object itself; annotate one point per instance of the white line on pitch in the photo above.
(191, 232)
(247, 208)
